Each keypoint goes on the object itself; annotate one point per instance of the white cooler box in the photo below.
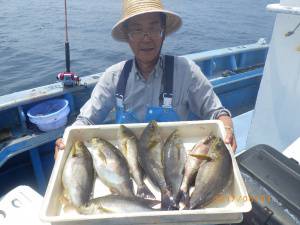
(21, 206)
(229, 210)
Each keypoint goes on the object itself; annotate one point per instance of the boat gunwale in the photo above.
(57, 89)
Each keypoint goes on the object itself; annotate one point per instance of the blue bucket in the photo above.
(50, 115)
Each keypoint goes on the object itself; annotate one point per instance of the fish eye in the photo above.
(79, 144)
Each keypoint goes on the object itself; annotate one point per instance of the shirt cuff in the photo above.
(82, 121)
(221, 112)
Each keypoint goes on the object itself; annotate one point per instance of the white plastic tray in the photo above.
(227, 210)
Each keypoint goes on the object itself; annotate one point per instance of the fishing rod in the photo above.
(67, 46)
(68, 78)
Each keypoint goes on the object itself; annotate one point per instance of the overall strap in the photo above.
(121, 86)
(167, 82)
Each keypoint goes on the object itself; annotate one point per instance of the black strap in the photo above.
(167, 79)
(121, 86)
(168, 75)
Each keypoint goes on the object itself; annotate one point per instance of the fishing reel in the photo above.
(68, 78)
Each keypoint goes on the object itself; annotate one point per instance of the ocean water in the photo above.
(32, 35)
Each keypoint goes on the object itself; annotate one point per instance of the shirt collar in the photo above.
(157, 71)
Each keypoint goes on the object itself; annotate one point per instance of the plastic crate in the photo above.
(191, 133)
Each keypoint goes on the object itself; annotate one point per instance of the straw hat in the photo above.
(133, 8)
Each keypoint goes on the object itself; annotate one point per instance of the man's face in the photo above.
(145, 36)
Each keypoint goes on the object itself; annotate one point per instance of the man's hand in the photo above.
(230, 138)
(59, 145)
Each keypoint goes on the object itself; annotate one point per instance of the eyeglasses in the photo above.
(138, 35)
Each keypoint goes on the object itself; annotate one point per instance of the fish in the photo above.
(110, 166)
(115, 204)
(174, 158)
(195, 157)
(151, 158)
(78, 175)
(129, 146)
(213, 176)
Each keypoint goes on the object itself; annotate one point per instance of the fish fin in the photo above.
(66, 204)
(103, 209)
(141, 168)
(178, 148)
(69, 208)
(150, 202)
(63, 199)
(191, 150)
(132, 138)
(152, 144)
(144, 192)
(114, 191)
(125, 149)
(184, 198)
(131, 186)
(202, 204)
(201, 156)
(73, 151)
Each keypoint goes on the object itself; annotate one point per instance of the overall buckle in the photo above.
(167, 100)
(119, 100)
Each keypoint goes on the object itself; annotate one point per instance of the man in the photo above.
(152, 86)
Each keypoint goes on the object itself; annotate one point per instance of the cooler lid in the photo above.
(275, 172)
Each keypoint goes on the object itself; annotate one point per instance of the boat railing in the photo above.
(227, 61)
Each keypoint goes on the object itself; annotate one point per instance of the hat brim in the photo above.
(173, 23)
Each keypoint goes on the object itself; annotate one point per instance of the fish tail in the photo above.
(84, 210)
(144, 192)
(198, 202)
(67, 206)
(167, 201)
(183, 197)
(193, 205)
